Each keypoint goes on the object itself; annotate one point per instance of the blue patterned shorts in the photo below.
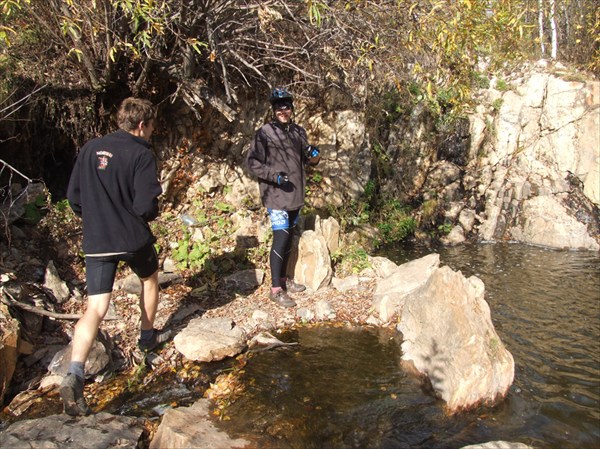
(283, 219)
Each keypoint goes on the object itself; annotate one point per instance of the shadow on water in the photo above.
(344, 388)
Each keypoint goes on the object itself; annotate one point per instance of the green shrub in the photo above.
(351, 259)
(394, 221)
(481, 81)
(190, 254)
(497, 104)
(444, 229)
(224, 207)
(502, 85)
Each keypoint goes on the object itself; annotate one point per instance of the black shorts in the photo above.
(101, 270)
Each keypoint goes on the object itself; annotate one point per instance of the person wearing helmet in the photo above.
(277, 157)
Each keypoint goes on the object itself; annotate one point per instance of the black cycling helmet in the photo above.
(281, 95)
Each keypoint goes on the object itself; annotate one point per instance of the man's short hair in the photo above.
(133, 111)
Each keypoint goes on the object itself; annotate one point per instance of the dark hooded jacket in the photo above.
(114, 188)
(279, 148)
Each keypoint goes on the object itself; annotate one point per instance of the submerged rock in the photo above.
(188, 427)
(498, 445)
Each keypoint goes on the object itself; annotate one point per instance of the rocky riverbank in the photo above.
(376, 296)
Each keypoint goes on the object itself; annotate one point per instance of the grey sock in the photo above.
(77, 368)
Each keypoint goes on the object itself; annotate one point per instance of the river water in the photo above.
(343, 388)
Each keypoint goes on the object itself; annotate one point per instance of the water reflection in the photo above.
(344, 389)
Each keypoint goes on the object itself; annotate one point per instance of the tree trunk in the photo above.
(553, 28)
(541, 25)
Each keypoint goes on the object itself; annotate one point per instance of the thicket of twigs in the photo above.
(205, 48)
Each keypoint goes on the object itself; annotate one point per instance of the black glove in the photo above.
(311, 152)
(282, 178)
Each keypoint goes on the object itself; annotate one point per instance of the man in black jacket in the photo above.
(114, 189)
(277, 157)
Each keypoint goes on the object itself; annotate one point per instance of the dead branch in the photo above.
(9, 300)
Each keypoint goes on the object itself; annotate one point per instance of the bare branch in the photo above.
(7, 298)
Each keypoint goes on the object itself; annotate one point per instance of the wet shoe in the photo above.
(71, 393)
(282, 298)
(292, 287)
(157, 339)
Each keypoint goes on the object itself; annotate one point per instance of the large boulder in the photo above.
(449, 338)
(313, 265)
(390, 291)
(545, 221)
(329, 228)
(97, 361)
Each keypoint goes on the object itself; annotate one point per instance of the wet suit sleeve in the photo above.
(257, 158)
(146, 187)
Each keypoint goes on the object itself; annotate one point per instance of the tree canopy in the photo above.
(222, 47)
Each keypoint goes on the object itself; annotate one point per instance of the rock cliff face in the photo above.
(524, 166)
(536, 167)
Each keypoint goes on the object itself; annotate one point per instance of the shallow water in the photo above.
(344, 388)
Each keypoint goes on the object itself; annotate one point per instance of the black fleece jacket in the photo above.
(279, 148)
(114, 188)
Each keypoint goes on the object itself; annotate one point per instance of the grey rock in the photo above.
(324, 311)
(169, 266)
(382, 266)
(456, 236)
(210, 339)
(132, 284)
(245, 280)
(304, 314)
(16, 233)
(345, 284)
(55, 284)
(98, 360)
(99, 431)
(262, 320)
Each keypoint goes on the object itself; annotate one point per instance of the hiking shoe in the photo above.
(282, 298)
(71, 393)
(157, 339)
(292, 287)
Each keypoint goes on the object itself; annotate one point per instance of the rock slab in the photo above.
(99, 431)
(210, 339)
